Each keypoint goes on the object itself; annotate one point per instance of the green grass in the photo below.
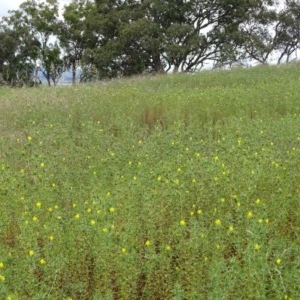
(166, 187)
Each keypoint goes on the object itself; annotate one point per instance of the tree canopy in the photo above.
(115, 38)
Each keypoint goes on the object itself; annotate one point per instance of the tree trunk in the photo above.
(73, 72)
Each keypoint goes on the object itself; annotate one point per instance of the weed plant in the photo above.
(167, 187)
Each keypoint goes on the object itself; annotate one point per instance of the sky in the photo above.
(6, 5)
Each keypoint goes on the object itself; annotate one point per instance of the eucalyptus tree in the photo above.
(116, 51)
(246, 34)
(259, 33)
(289, 30)
(75, 35)
(15, 67)
(179, 35)
(8, 47)
(37, 24)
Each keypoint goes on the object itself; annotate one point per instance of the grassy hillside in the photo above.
(167, 187)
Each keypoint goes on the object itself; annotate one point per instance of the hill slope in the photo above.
(167, 187)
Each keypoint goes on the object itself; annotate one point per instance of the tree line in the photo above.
(115, 38)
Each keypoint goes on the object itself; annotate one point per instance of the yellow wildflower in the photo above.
(168, 248)
(218, 222)
(182, 223)
(256, 247)
(249, 214)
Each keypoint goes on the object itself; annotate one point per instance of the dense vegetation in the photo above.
(106, 39)
(166, 187)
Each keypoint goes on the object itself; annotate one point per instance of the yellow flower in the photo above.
(105, 230)
(256, 247)
(35, 219)
(218, 222)
(93, 222)
(249, 214)
(42, 165)
(278, 261)
(231, 229)
(147, 243)
(31, 252)
(112, 210)
(199, 212)
(123, 250)
(182, 223)
(1, 265)
(38, 204)
(51, 238)
(176, 181)
(77, 216)
(29, 138)
(168, 248)
(42, 261)
(2, 278)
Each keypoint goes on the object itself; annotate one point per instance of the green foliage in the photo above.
(33, 26)
(166, 187)
(109, 39)
(74, 33)
(14, 68)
